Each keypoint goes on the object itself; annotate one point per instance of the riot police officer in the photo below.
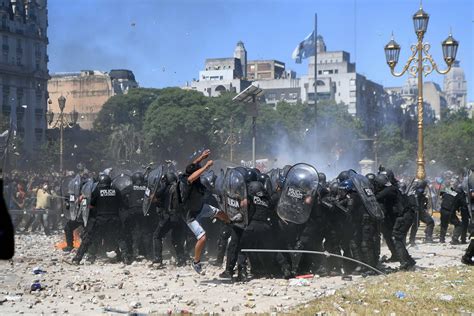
(169, 220)
(421, 213)
(399, 209)
(132, 217)
(262, 224)
(451, 202)
(104, 221)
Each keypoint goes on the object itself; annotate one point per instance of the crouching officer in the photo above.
(104, 220)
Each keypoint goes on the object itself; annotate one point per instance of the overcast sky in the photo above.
(165, 43)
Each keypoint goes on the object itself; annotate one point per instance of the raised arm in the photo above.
(196, 174)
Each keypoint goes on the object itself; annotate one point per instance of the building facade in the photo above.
(24, 68)
(87, 91)
(265, 69)
(455, 87)
(222, 74)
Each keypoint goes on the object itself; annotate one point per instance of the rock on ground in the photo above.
(105, 288)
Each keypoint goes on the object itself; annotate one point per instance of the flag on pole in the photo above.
(304, 49)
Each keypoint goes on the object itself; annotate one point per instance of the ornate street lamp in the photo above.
(62, 122)
(420, 64)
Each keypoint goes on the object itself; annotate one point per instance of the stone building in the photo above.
(87, 91)
(24, 67)
(222, 74)
(455, 87)
(265, 69)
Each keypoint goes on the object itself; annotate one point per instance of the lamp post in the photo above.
(420, 63)
(62, 122)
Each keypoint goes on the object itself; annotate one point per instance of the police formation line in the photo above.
(292, 208)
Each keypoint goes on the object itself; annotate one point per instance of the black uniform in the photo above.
(104, 222)
(168, 220)
(451, 201)
(311, 238)
(400, 211)
(337, 220)
(259, 235)
(387, 197)
(133, 218)
(422, 215)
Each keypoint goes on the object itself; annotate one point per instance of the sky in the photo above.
(165, 42)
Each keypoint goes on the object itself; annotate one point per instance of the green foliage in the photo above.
(393, 150)
(172, 123)
(128, 108)
(450, 143)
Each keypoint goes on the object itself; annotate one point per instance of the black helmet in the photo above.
(370, 176)
(256, 188)
(256, 170)
(382, 181)
(390, 175)
(208, 180)
(251, 175)
(334, 188)
(264, 179)
(170, 177)
(138, 178)
(322, 178)
(420, 185)
(344, 175)
(104, 180)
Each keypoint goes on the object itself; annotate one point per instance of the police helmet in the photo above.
(344, 175)
(170, 177)
(251, 175)
(322, 178)
(104, 180)
(334, 188)
(382, 181)
(370, 176)
(346, 185)
(138, 178)
(256, 188)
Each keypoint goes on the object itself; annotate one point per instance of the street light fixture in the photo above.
(420, 64)
(62, 122)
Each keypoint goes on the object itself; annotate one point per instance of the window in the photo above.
(336, 71)
(352, 82)
(352, 94)
(271, 96)
(319, 72)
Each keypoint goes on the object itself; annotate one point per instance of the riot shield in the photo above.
(153, 184)
(299, 194)
(468, 186)
(64, 192)
(74, 190)
(208, 179)
(274, 175)
(122, 182)
(235, 192)
(367, 196)
(117, 172)
(86, 192)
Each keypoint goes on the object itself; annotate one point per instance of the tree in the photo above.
(394, 151)
(449, 144)
(127, 108)
(176, 123)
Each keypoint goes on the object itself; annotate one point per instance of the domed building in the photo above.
(455, 87)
